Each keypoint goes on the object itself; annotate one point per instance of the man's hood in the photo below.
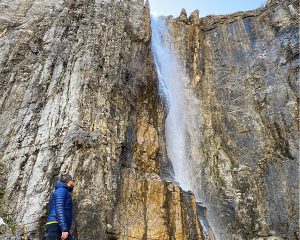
(60, 184)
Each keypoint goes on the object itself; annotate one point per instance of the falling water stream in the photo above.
(181, 104)
(171, 87)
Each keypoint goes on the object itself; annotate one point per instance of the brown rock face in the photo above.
(244, 68)
(152, 209)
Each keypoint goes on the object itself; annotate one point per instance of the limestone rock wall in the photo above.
(79, 94)
(244, 68)
(154, 209)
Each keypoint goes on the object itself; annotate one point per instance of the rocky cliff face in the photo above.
(244, 68)
(79, 94)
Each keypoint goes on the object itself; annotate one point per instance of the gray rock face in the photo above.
(244, 68)
(79, 95)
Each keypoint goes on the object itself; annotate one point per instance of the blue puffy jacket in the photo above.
(60, 206)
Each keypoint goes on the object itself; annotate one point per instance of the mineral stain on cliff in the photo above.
(79, 92)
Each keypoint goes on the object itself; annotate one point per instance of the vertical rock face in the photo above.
(79, 94)
(244, 68)
(152, 209)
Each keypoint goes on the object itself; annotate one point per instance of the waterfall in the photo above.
(182, 126)
(172, 89)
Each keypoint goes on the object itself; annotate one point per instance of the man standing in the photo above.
(60, 210)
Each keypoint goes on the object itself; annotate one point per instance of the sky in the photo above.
(206, 7)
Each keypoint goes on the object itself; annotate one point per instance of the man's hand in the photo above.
(64, 235)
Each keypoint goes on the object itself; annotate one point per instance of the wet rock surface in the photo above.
(154, 209)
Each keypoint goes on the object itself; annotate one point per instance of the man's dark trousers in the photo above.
(54, 233)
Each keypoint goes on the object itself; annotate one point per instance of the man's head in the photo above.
(67, 179)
